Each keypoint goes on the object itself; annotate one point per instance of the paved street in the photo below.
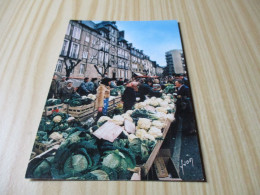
(185, 154)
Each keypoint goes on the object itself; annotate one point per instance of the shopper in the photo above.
(184, 112)
(129, 96)
(67, 90)
(102, 97)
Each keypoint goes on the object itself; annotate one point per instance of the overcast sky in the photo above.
(153, 37)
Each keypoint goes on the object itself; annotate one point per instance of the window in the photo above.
(68, 30)
(101, 56)
(65, 47)
(82, 69)
(87, 38)
(102, 45)
(76, 33)
(74, 50)
(59, 66)
(85, 53)
(107, 47)
(106, 57)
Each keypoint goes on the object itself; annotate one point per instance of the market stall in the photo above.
(71, 144)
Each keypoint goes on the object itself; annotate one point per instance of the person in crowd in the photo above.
(184, 112)
(120, 82)
(102, 97)
(156, 85)
(53, 92)
(129, 95)
(126, 81)
(95, 82)
(113, 84)
(146, 89)
(62, 83)
(86, 87)
(67, 90)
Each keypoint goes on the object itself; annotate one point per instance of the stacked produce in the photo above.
(82, 156)
(77, 100)
(117, 91)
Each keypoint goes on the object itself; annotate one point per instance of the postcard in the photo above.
(119, 107)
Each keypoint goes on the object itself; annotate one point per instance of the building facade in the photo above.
(175, 62)
(100, 48)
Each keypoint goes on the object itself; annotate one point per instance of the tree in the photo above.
(70, 65)
(105, 64)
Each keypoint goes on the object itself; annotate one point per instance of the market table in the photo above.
(221, 42)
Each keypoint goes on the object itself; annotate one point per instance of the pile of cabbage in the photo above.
(81, 156)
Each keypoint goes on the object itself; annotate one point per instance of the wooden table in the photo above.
(222, 46)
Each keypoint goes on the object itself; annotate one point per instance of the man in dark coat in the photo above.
(129, 96)
(120, 82)
(86, 87)
(53, 92)
(184, 113)
(146, 89)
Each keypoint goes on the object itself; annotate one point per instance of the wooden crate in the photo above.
(39, 148)
(81, 112)
(146, 167)
(117, 99)
(48, 110)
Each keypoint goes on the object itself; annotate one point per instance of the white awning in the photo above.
(138, 74)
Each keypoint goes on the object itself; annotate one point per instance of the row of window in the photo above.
(59, 67)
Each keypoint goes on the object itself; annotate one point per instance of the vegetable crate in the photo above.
(117, 100)
(81, 112)
(146, 167)
(39, 147)
(48, 110)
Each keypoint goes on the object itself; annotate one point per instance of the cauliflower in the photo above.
(155, 132)
(118, 120)
(144, 123)
(91, 96)
(103, 119)
(168, 100)
(172, 106)
(148, 136)
(161, 109)
(140, 133)
(140, 105)
(55, 136)
(131, 137)
(161, 115)
(154, 103)
(170, 117)
(84, 97)
(129, 112)
(57, 119)
(158, 124)
(159, 100)
(128, 117)
(148, 101)
(153, 98)
(164, 104)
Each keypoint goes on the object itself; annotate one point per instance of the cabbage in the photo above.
(116, 159)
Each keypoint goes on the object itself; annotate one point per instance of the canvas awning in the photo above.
(138, 74)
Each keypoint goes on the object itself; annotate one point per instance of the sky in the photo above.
(153, 37)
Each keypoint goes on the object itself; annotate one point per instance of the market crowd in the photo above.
(136, 90)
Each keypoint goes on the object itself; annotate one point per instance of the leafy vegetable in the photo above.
(73, 160)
